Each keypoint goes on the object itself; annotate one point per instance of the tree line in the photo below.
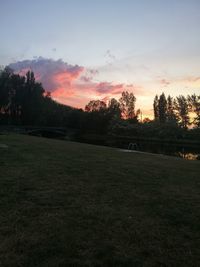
(180, 110)
(23, 101)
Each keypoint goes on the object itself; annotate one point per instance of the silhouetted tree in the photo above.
(95, 105)
(16, 98)
(171, 116)
(127, 105)
(182, 108)
(162, 108)
(32, 99)
(114, 108)
(156, 108)
(5, 88)
(194, 104)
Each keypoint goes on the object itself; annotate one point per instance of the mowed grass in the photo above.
(71, 204)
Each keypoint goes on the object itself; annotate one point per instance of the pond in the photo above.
(183, 151)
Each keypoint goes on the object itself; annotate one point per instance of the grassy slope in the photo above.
(70, 204)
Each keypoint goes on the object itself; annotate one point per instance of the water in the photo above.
(182, 151)
(186, 151)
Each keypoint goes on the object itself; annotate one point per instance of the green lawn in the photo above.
(71, 204)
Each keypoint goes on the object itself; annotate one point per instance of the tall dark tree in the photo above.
(32, 99)
(156, 108)
(162, 108)
(16, 98)
(5, 91)
(194, 104)
(182, 108)
(171, 116)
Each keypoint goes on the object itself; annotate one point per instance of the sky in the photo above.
(94, 49)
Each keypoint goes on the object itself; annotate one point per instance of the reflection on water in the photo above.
(189, 156)
(186, 152)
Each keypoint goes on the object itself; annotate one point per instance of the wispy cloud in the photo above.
(89, 75)
(165, 82)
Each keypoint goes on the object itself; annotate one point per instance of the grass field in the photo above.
(71, 204)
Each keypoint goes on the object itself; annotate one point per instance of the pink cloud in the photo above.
(72, 84)
(109, 88)
(53, 74)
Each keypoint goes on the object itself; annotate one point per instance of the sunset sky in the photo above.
(95, 49)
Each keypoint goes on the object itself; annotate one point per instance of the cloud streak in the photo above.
(165, 82)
